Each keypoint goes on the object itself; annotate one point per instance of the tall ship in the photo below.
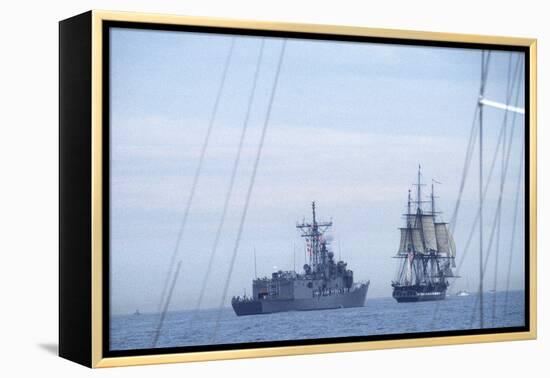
(323, 284)
(426, 250)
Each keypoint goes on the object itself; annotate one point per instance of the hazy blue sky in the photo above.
(350, 124)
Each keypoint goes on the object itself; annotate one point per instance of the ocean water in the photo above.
(380, 316)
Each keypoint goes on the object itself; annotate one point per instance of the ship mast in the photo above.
(313, 233)
(409, 206)
(418, 196)
(418, 200)
(433, 201)
(418, 219)
(313, 210)
(433, 197)
(255, 271)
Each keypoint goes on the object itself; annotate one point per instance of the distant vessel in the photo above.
(323, 284)
(464, 292)
(137, 312)
(427, 251)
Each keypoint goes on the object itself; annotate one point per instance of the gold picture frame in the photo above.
(82, 235)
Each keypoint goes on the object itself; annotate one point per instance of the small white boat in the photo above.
(462, 293)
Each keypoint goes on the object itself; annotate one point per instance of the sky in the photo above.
(350, 124)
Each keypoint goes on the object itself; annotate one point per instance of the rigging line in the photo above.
(504, 170)
(484, 72)
(468, 157)
(507, 149)
(481, 95)
(510, 253)
(507, 159)
(198, 170)
(516, 203)
(477, 216)
(498, 214)
(500, 141)
(166, 304)
(250, 187)
(233, 176)
(506, 165)
(501, 137)
(476, 219)
(467, 160)
(471, 142)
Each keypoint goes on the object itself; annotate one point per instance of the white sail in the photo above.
(452, 245)
(428, 229)
(445, 241)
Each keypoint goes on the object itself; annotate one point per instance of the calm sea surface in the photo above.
(380, 316)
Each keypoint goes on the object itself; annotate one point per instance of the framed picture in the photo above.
(236, 189)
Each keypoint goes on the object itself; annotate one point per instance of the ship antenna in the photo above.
(255, 271)
(313, 208)
(294, 256)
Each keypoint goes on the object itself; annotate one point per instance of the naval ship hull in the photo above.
(355, 298)
(419, 293)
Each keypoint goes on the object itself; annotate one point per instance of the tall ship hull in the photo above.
(353, 298)
(419, 293)
(324, 283)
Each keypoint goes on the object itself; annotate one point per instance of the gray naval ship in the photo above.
(323, 284)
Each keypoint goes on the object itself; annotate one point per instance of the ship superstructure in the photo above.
(426, 250)
(324, 283)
